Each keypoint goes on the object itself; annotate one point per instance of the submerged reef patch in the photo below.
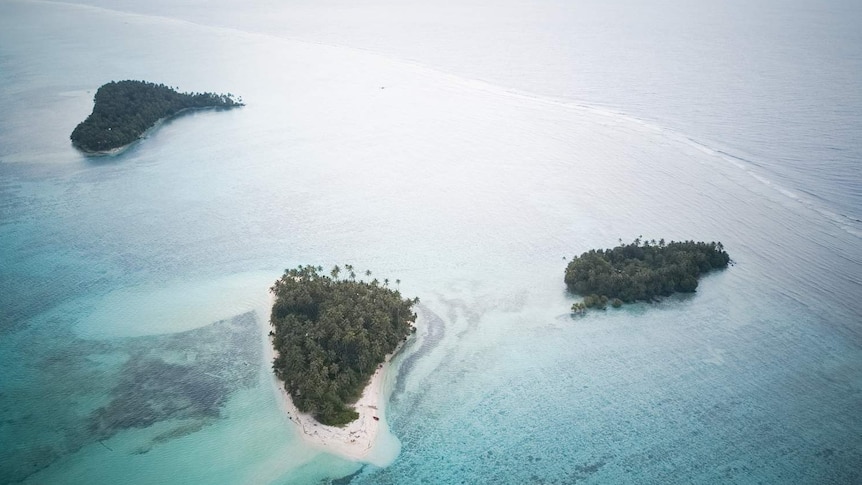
(90, 390)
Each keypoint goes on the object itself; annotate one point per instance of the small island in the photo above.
(125, 110)
(642, 270)
(331, 336)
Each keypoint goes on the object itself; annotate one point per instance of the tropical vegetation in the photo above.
(124, 110)
(331, 334)
(642, 270)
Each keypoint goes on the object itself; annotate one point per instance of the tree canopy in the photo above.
(331, 335)
(124, 110)
(642, 270)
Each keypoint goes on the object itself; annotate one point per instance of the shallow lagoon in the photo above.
(471, 194)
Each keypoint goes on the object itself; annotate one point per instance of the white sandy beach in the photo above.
(354, 441)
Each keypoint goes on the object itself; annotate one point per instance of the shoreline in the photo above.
(356, 440)
(112, 152)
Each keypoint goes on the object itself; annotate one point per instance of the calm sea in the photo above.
(466, 149)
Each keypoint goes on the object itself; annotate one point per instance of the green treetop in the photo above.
(641, 271)
(331, 335)
(124, 110)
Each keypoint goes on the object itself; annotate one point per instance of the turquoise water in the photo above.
(134, 295)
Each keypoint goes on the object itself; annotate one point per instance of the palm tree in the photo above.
(385, 282)
(335, 271)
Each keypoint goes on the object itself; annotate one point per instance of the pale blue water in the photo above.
(133, 289)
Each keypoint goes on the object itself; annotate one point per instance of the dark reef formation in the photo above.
(100, 388)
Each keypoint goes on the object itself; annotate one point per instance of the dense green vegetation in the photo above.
(124, 110)
(331, 334)
(642, 270)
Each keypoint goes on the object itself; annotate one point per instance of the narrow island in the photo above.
(332, 340)
(640, 271)
(124, 110)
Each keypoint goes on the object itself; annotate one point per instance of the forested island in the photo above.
(124, 110)
(331, 334)
(642, 270)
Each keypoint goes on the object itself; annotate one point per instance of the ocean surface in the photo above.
(467, 149)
